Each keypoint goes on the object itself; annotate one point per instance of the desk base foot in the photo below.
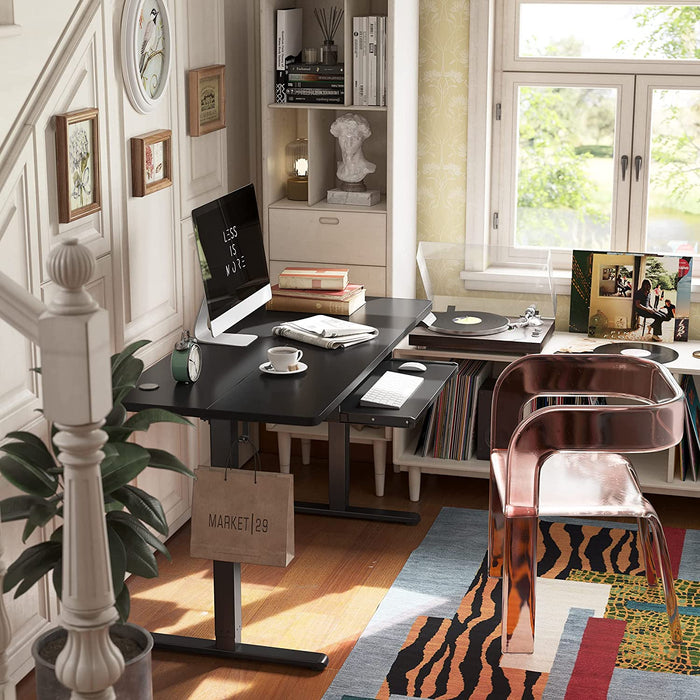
(387, 516)
(316, 661)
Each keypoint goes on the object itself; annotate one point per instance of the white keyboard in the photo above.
(391, 390)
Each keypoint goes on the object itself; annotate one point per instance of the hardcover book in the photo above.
(331, 294)
(288, 48)
(333, 307)
(313, 278)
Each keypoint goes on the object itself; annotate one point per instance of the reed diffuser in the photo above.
(329, 21)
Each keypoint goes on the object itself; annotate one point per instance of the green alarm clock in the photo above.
(186, 359)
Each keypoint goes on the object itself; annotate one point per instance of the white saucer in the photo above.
(267, 368)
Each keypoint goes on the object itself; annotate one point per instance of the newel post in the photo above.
(77, 395)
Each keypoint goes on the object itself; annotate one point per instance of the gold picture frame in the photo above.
(77, 164)
(151, 162)
(207, 100)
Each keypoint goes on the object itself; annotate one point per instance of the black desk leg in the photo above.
(228, 620)
(339, 486)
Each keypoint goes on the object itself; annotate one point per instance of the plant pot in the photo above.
(133, 641)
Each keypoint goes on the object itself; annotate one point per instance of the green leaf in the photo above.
(127, 375)
(140, 530)
(123, 603)
(30, 452)
(116, 416)
(29, 438)
(30, 566)
(117, 558)
(28, 478)
(116, 433)
(160, 459)
(57, 535)
(140, 559)
(39, 515)
(18, 507)
(124, 462)
(144, 419)
(57, 578)
(144, 506)
(120, 358)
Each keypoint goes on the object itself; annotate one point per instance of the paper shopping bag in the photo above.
(240, 515)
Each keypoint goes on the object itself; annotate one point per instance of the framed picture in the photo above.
(146, 52)
(77, 164)
(207, 100)
(151, 162)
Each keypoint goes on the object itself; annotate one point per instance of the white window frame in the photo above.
(485, 68)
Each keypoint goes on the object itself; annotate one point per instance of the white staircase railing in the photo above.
(72, 332)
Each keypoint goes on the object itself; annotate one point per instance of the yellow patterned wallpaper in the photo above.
(442, 127)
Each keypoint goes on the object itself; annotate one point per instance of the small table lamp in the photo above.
(297, 153)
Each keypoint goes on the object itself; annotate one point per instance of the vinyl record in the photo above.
(649, 350)
(454, 322)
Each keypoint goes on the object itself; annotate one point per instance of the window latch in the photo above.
(637, 167)
(624, 162)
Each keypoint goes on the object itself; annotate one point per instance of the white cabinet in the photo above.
(377, 243)
(658, 472)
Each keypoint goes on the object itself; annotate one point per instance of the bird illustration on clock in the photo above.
(150, 40)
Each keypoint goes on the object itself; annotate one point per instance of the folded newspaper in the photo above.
(326, 332)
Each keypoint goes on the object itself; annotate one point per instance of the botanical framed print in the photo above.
(77, 164)
(207, 100)
(146, 52)
(151, 162)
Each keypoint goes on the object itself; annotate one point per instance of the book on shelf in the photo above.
(287, 48)
(316, 91)
(303, 80)
(304, 304)
(691, 436)
(317, 99)
(338, 70)
(369, 60)
(314, 278)
(332, 294)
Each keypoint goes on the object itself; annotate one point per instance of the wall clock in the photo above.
(146, 47)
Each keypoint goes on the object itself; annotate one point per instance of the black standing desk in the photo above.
(231, 388)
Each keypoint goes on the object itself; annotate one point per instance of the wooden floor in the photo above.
(320, 602)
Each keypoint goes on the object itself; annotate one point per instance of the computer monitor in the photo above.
(233, 265)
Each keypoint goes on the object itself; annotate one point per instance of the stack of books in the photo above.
(316, 290)
(316, 83)
(369, 60)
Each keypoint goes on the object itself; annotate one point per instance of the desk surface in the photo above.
(232, 387)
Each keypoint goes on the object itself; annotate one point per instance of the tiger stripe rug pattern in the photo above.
(601, 632)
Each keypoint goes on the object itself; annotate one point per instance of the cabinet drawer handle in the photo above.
(334, 220)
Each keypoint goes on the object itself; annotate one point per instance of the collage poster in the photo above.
(630, 296)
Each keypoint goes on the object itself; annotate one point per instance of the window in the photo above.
(592, 132)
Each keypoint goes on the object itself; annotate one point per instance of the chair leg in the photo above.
(496, 531)
(666, 576)
(645, 546)
(519, 575)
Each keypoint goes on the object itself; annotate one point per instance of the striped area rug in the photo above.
(601, 633)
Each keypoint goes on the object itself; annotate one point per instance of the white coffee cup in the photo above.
(284, 358)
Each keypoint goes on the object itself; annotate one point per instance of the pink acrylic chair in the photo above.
(587, 474)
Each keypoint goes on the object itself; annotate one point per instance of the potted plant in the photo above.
(31, 466)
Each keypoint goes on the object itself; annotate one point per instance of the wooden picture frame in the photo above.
(151, 162)
(207, 100)
(77, 164)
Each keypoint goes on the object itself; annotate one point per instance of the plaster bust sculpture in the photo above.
(351, 130)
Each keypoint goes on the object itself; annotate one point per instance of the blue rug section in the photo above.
(689, 568)
(452, 552)
(567, 652)
(631, 684)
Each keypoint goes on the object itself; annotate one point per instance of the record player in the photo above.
(453, 329)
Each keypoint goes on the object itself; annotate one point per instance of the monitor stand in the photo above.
(203, 334)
